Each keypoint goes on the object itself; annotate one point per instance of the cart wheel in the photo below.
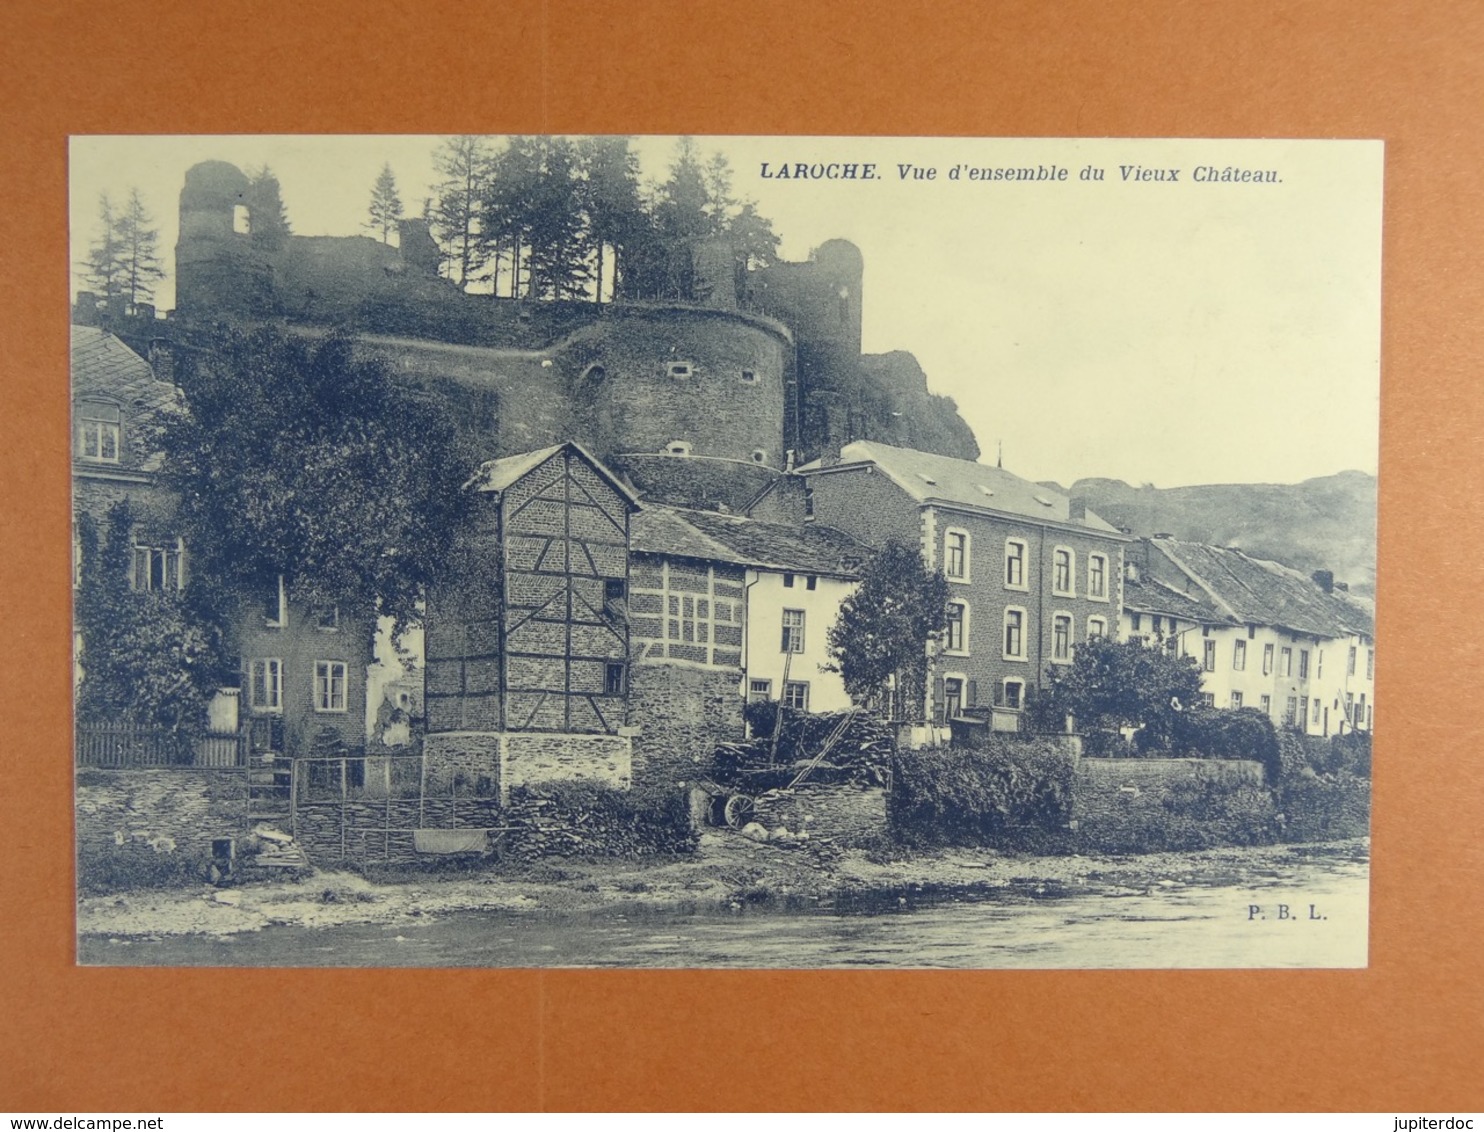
(738, 811)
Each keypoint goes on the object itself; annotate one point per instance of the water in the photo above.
(1179, 926)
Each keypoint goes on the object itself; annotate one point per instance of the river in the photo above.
(1310, 914)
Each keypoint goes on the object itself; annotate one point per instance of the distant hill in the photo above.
(1327, 523)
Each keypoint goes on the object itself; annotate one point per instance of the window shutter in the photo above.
(938, 700)
(973, 693)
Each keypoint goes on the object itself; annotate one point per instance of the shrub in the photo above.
(137, 864)
(1246, 733)
(862, 754)
(1206, 807)
(1009, 793)
(1324, 790)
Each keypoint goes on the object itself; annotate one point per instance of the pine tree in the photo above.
(103, 268)
(557, 229)
(386, 205)
(457, 212)
(515, 171)
(270, 220)
(615, 215)
(138, 248)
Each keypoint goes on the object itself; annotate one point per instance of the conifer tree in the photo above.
(103, 267)
(139, 257)
(616, 219)
(270, 220)
(386, 205)
(457, 210)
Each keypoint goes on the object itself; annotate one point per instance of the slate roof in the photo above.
(929, 478)
(102, 366)
(807, 549)
(1256, 591)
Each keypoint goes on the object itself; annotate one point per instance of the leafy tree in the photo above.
(270, 220)
(457, 212)
(148, 657)
(298, 458)
(1112, 684)
(386, 205)
(880, 639)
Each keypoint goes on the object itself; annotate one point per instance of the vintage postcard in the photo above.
(498, 551)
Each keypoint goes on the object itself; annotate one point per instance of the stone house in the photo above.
(303, 671)
(1299, 648)
(1030, 572)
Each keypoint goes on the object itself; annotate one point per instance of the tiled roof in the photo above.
(1256, 591)
(497, 475)
(1150, 595)
(808, 549)
(102, 364)
(929, 478)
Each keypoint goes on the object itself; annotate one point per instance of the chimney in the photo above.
(1325, 580)
(1076, 508)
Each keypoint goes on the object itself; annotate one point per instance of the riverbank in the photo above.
(727, 872)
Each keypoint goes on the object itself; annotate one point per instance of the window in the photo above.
(1014, 694)
(1370, 664)
(98, 432)
(955, 637)
(680, 370)
(1061, 637)
(327, 617)
(1239, 656)
(1208, 661)
(1290, 713)
(1156, 624)
(613, 589)
(796, 695)
(1061, 571)
(1014, 634)
(1015, 564)
(1360, 711)
(811, 582)
(956, 555)
(1350, 706)
(156, 568)
(613, 678)
(690, 618)
(1236, 699)
(759, 690)
(1097, 577)
(1350, 668)
(793, 630)
(275, 606)
(1208, 699)
(1096, 627)
(1136, 620)
(265, 684)
(1267, 660)
(678, 448)
(1303, 664)
(1315, 715)
(1319, 666)
(953, 697)
(1369, 717)
(1285, 662)
(1266, 703)
(329, 685)
(749, 376)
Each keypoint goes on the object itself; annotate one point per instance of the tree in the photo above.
(458, 208)
(880, 640)
(103, 267)
(1112, 684)
(386, 205)
(149, 656)
(270, 220)
(515, 171)
(299, 459)
(557, 229)
(615, 215)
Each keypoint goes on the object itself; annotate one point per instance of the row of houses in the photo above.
(590, 631)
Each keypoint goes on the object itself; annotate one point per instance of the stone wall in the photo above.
(173, 810)
(381, 831)
(493, 763)
(681, 713)
(847, 814)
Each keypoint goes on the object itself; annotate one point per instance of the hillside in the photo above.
(1325, 523)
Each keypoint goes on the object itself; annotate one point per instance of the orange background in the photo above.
(1403, 1035)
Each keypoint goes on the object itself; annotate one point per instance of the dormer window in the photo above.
(98, 432)
(681, 370)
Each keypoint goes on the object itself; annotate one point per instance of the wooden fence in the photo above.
(121, 746)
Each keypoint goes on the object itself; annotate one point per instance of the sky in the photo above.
(1133, 327)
